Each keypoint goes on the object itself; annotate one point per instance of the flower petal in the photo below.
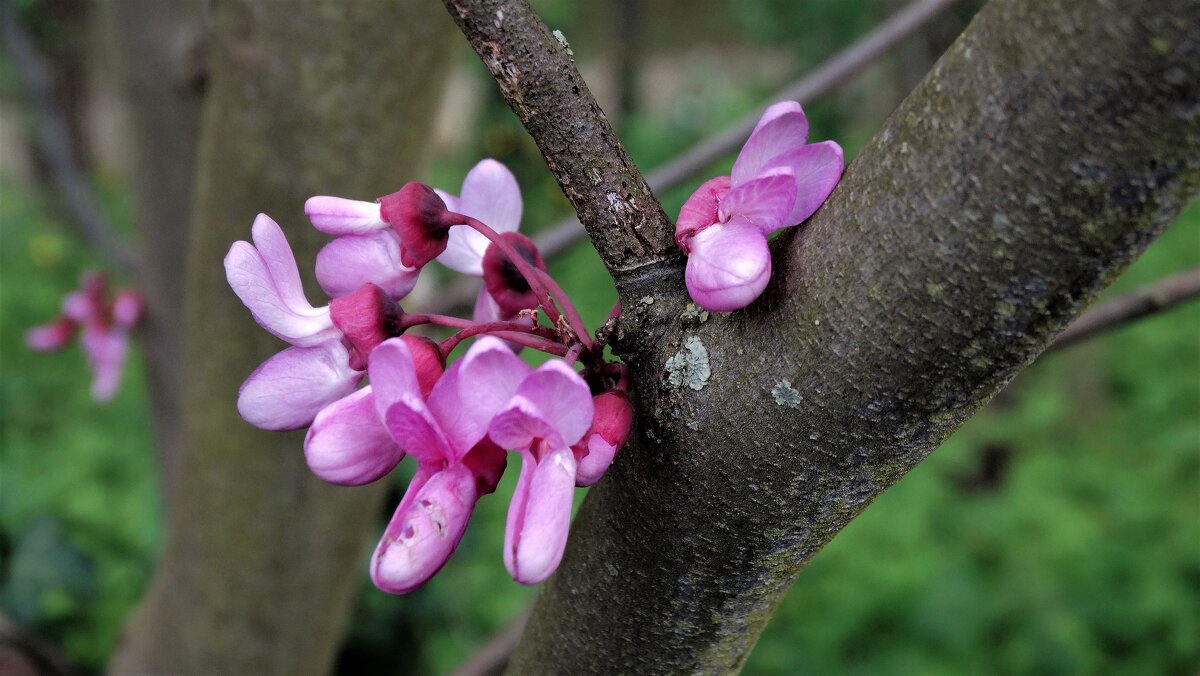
(784, 130)
(348, 445)
(421, 537)
(765, 201)
(106, 351)
(490, 193)
(553, 402)
(338, 216)
(592, 466)
(265, 278)
(52, 336)
(539, 517)
(287, 390)
(474, 389)
(700, 210)
(346, 263)
(818, 168)
(729, 266)
(401, 407)
(464, 251)
(775, 110)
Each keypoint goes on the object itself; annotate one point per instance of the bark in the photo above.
(536, 72)
(159, 49)
(260, 558)
(1047, 148)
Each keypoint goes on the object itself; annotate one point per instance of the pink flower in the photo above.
(287, 390)
(549, 412)
(609, 432)
(105, 331)
(490, 194)
(447, 434)
(777, 181)
(367, 249)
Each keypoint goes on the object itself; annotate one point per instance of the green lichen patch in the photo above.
(785, 394)
(689, 367)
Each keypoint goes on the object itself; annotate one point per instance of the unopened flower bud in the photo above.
(504, 281)
(422, 221)
(366, 318)
(610, 430)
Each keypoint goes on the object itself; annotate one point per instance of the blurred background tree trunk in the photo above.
(260, 558)
(159, 50)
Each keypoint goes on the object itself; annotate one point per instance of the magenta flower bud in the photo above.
(428, 361)
(52, 336)
(504, 281)
(366, 318)
(610, 430)
(422, 221)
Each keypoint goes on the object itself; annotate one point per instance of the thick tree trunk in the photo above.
(160, 52)
(1047, 148)
(260, 558)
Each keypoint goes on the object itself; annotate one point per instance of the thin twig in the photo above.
(491, 659)
(1122, 310)
(55, 139)
(826, 77)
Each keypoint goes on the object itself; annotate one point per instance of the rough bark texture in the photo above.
(260, 558)
(537, 74)
(160, 52)
(1047, 148)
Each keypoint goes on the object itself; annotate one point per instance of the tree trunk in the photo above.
(1048, 148)
(260, 558)
(159, 48)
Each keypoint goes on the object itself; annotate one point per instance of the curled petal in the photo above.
(729, 266)
(784, 131)
(288, 390)
(474, 389)
(401, 405)
(592, 466)
(775, 110)
(348, 445)
(818, 168)
(265, 278)
(346, 263)
(700, 210)
(424, 533)
(52, 336)
(539, 517)
(765, 201)
(553, 404)
(338, 216)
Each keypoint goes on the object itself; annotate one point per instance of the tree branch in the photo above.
(537, 75)
(1017, 181)
(831, 74)
(1162, 295)
(55, 139)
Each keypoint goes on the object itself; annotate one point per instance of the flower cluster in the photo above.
(777, 180)
(566, 419)
(104, 324)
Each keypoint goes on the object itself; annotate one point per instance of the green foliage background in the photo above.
(1055, 533)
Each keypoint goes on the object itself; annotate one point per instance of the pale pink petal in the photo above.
(729, 266)
(765, 201)
(423, 534)
(401, 406)
(288, 390)
(346, 263)
(78, 307)
(539, 517)
(486, 309)
(338, 216)
(818, 168)
(127, 308)
(552, 403)
(393, 374)
(474, 389)
(464, 251)
(775, 110)
(700, 210)
(267, 281)
(593, 465)
(348, 445)
(105, 351)
(490, 194)
(785, 132)
(52, 336)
